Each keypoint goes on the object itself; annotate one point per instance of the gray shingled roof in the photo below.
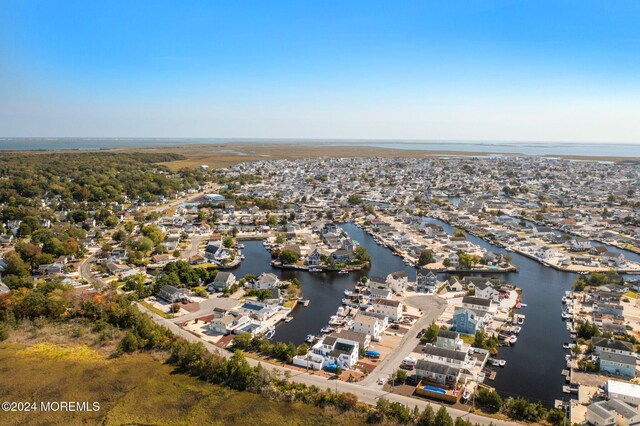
(447, 353)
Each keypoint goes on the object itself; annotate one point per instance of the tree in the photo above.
(446, 262)
(426, 257)
(556, 417)
(430, 334)
(129, 343)
(289, 257)
(443, 418)
(399, 377)
(228, 242)
(119, 235)
(242, 341)
(153, 233)
(521, 409)
(427, 417)
(361, 254)
(489, 399)
(586, 330)
(135, 283)
(459, 233)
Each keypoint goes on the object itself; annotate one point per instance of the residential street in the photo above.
(432, 307)
(365, 394)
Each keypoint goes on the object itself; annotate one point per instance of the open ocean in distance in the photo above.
(526, 148)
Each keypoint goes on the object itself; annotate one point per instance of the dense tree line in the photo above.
(97, 177)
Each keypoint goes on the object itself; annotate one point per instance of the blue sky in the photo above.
(483, 70)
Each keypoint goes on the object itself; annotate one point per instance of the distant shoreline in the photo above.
(224, 154)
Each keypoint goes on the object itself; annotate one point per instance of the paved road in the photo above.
(192, 250)
(365, 394)
(86, 274)
(432, 307)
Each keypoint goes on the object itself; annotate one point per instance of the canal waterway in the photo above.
(534, 363)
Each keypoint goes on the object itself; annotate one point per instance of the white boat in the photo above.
(564, 299)
(315, 270)
(242, 256)
(566, 345)
(241, 246)
(520, 320)
(343, 271)
(517, 329)
(269, 334)
(497, 362)
(346, 301)
(466, 395)
(326, 329)
(566, 315)
(513, 339)
(310, 338)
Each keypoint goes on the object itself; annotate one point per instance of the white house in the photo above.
(337, 350)
(263, 281)
(623, 391)
(398, 281)
(486, 291)
(368, 325)
(228, 323)
(222, 281)
(392, 309)
(479, 304)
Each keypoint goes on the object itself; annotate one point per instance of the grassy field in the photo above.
(133, 389)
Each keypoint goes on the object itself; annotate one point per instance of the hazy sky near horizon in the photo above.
(548, 70)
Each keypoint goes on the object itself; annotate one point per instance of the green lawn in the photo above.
(156, 310)
(133, 389)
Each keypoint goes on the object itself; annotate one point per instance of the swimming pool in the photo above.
(434, 389)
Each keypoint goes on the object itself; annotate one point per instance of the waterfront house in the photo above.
(341, 255)
(314, 258)
(479, 304)
(448, 339)
(608, 308)
(337, 350)
(441, 374)
(623, 391)
(397, 281)
(222, 281)
(172, 294)
(263, 281)
(613, 259)
(486, 291)
(392, 309)
(451, 357)
(380, 293)
(615, 356)
(468, 321)
(368, 324)
(261, 311)
(228, 323)
(612, 413)
(363, 339)
(426, 281)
